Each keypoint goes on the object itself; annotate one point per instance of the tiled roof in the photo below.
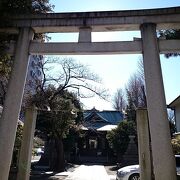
(109, 117)
(112, 117)
(101, 120)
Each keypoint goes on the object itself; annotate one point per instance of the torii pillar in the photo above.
(25, 155)
(12, 105)
(163, 158)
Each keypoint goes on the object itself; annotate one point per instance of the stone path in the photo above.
(89, 172)
(76, 172)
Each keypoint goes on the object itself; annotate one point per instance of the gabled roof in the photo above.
(101, 120)
(174, 103)
(112, 117)
(109, 117)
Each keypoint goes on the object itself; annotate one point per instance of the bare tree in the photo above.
(135, 88)
(119, 102)
(141, 77)
(135, 93)
(140, 70)
(67, 74)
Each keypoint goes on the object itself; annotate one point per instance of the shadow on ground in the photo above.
(44, 173)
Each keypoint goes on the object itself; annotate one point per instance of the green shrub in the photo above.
(118, 138)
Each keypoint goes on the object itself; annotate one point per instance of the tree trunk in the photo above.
(54, 155)
(60, 160)
(45, 157)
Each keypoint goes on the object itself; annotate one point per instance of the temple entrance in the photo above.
(147, 21)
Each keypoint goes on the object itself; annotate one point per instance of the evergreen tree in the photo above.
(54, 125)
(15, 7)
(118, 138)
(170, 34)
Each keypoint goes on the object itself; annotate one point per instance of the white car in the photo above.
(128, 173)
(133, 172)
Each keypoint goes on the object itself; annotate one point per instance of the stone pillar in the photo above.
(27, 144)
(131, 154)
(84, 34)
(12, 105)
(144, 144)
(163, 159)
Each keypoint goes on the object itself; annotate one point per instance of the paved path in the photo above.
(85, 172)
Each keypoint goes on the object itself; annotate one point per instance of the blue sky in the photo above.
(105, 5)
(115, 70)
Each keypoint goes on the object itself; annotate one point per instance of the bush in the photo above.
(119, 138)
(176, 145)
(38, 142)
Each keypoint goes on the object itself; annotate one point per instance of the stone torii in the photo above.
(147, 21)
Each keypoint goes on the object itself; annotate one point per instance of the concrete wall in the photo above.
(177, 115)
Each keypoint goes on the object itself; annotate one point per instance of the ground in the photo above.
(38, 174)
(42, 175)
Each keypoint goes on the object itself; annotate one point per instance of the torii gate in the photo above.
(147, 21)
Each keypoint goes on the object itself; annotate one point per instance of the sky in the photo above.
(115, 70)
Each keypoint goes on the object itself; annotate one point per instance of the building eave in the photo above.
(174, 103)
